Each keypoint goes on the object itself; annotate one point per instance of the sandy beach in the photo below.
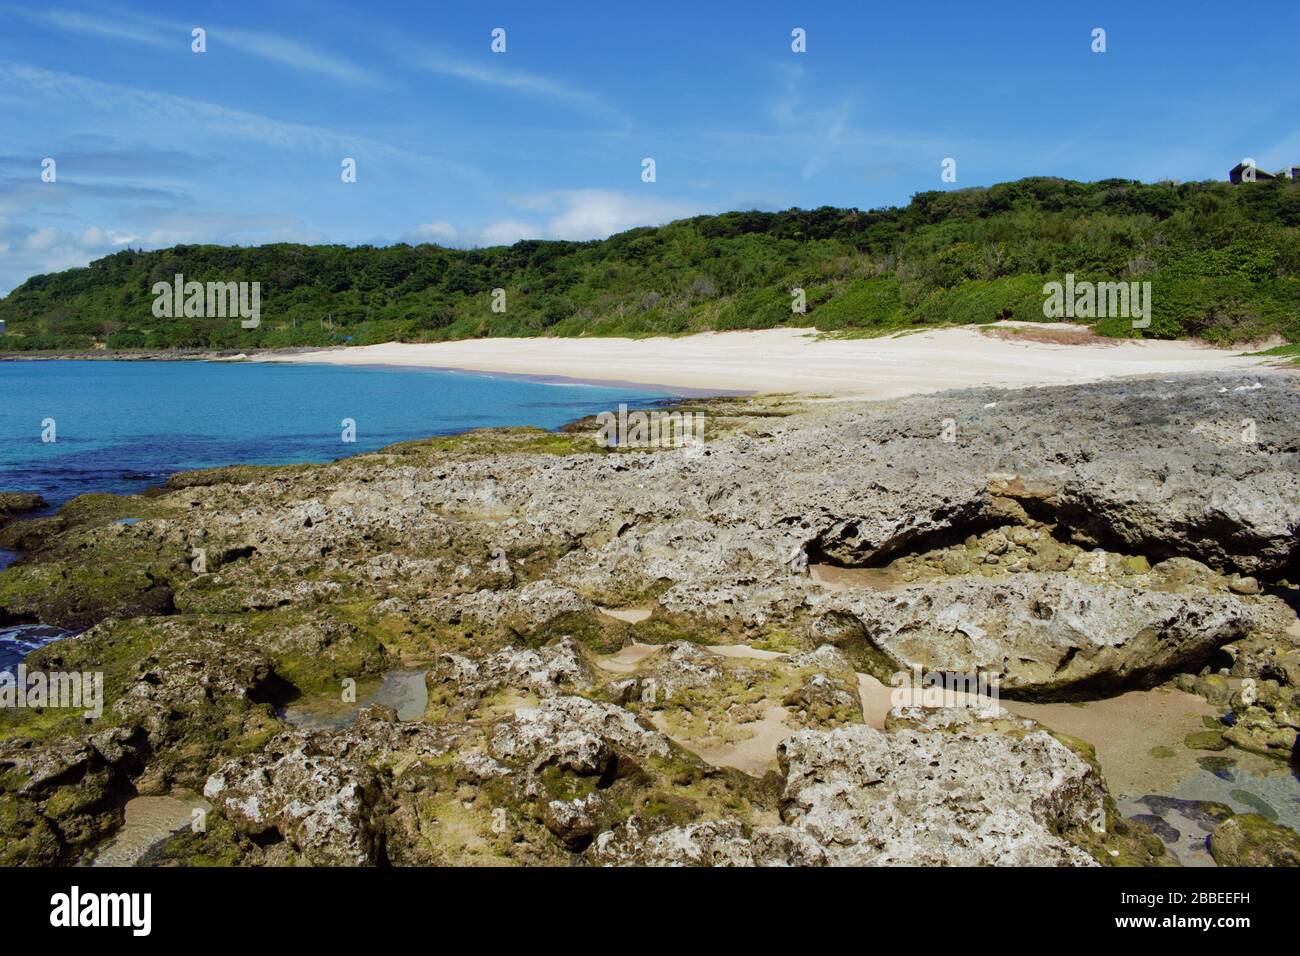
(795, 360)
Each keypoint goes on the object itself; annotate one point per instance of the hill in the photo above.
(1224, 263)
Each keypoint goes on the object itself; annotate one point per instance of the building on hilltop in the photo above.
(1236, 177)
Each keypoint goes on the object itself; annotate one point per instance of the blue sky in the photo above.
(157, 145)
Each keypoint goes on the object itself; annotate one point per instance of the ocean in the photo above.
(121, 427)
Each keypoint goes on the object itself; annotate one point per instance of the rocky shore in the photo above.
(639, 657)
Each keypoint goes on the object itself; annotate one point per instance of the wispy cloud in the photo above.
(73, 21)
(22, 194)
(165, 111)
(124, 188)
(98, 159)
(294, 54)
(526, 84)
(822, 126)
(171, 34)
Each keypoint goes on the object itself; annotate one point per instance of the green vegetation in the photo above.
(1290, 351)
(1224, 263)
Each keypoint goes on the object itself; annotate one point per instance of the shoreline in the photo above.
(770, 361)
(1069, 364)
(437, 406)
(796, 361)
(672, 393)
(147, 355)
(291, 356)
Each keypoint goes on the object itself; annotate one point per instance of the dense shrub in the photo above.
(1224, 263)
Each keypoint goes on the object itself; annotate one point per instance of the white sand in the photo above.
(792, 360)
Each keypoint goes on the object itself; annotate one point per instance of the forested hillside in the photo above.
(1224, 263)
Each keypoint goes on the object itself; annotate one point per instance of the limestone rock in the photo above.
(534, 609)
(574, 821)
(324, 806)
(940, 798)
(1045, 634)
(576, 732)
(557, 668)
(825, 658)
(708, 843)
(678, 667)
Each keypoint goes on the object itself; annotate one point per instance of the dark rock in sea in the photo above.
(1159, 826)
(1221, 767)
(14, 504)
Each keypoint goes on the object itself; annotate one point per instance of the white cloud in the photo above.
(26, 250)
(596, 213)
(506, 232)
(573, 214)
(443, 233)
(45, 239)
(93, 237)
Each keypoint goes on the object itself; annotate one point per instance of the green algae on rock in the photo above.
(14, 504)
(1249, 839)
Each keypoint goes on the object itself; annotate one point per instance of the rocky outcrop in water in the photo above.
(15, 504)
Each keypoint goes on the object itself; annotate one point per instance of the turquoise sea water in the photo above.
(122, 426)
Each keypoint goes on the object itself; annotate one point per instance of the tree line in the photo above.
(1223, 262)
